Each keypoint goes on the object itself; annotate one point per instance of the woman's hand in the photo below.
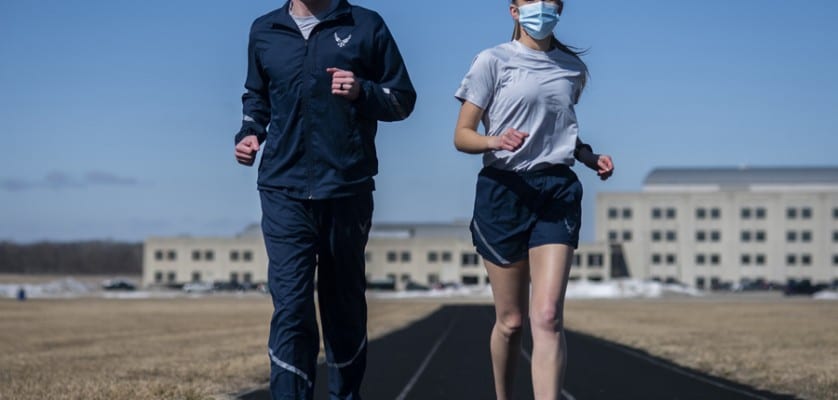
(604, 167)
(509, 140)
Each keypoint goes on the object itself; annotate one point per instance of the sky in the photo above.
(117, 117)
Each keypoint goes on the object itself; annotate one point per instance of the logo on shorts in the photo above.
(570, 224)
(342, 42)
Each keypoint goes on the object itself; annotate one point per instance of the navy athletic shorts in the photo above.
(517, 211)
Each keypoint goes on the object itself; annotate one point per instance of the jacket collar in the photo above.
(284, 19)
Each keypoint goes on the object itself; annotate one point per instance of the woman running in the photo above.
(527, 210)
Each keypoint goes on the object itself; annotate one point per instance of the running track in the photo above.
(446, 356)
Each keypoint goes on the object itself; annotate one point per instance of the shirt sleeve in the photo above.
(256, 104)
(478, 86)
(389, 95)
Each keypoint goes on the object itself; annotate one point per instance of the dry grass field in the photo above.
(207, 348)
(783, 345)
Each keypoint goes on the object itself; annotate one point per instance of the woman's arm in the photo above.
(468, 140)
(602, 164)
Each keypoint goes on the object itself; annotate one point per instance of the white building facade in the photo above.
(398, 256)
(719, 226)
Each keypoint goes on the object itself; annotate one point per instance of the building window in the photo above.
(627, 236)
(700, 259)
(627, 213)
(247, 256)
(234, 277)
(612, 213)
(612, 236)
(392, 257)
(670, 259)
(446, 256)
(791, 259)
(835, 260)
(670, 213)
(746, 236)
(577, 260)
(671, 236)
(715, 213)
(835, 213)
(171, 255)
(595, 260)
(158, 275)
(806, 213)
(700, 282)
(196, 276)
(656, 259)
(746, 259)
(433, 279)
(791, 213)
(806, 260)
(172, 277)
(234, 255)
(471, 280)
(656, 236)
(760, 258)
(248, 277)
(433, 257)
(469, 259)
(700, 236)
(158, 254)
(700, 213)
(196, 255)
(209, 255)
(791, 236)
(715, 259)
(806, 236)
(745, 213)
(405, 278)
(760, 236)
(715, 236)
(760, 213)
(405, 257)
(835, 236)
(657, 213)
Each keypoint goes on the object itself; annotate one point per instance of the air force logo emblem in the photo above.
(342, 42)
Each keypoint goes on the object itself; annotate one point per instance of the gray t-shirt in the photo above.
(531, 91)
(307, 24)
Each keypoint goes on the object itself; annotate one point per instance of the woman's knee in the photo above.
(547, 318)
(510, 323)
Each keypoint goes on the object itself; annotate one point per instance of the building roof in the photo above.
(396, 230)
(743, 177)
(414, 230)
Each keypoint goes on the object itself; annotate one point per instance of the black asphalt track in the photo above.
(446, 356)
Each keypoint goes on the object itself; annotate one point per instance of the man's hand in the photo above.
(509, 140)
(604, 167)
(246, 150)
(344, 84)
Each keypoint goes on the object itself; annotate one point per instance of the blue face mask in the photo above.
(538, 19)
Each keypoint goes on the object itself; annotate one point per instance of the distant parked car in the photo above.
(118, 284)
(416, 287)
(386, 284)
(229, 287)
(198, 287)
(803, 288)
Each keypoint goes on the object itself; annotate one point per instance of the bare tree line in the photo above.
(98, 257)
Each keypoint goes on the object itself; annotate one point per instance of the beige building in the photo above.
(717, 226)
(399, 256)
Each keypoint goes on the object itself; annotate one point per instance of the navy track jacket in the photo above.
(320, 145)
